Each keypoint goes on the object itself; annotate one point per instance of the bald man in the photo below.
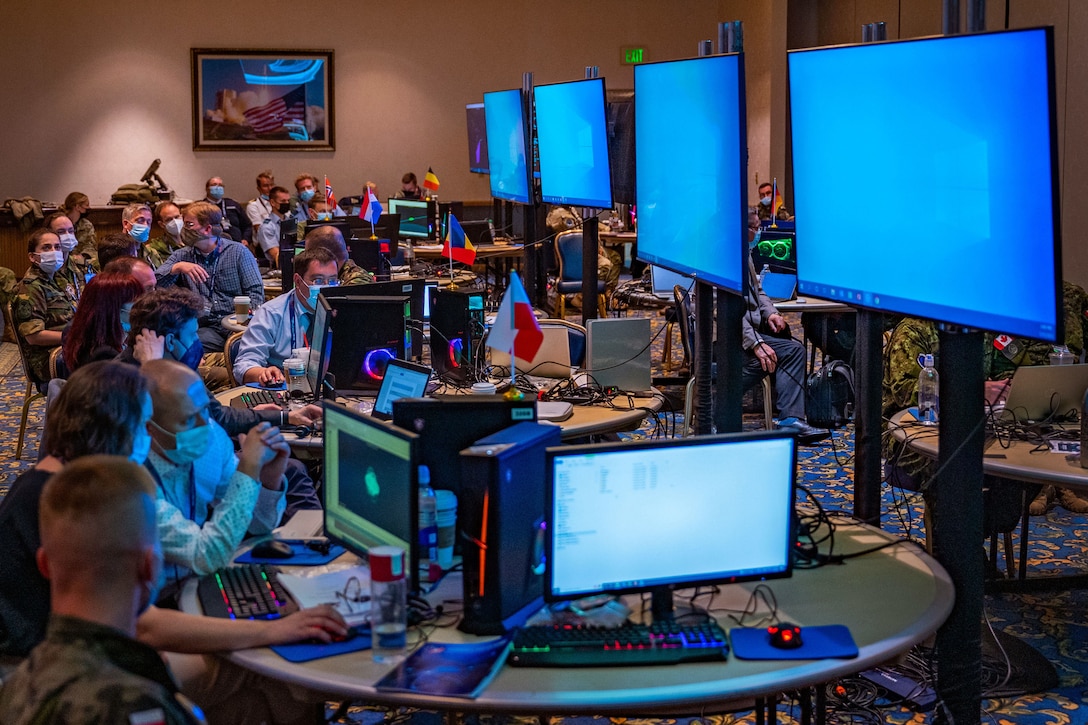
(209, 497)
(100, 552)
(331, 240)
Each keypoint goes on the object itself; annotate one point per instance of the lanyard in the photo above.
(296, 324)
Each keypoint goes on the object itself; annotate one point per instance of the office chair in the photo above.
(568, 254)
(685, 317)
(230, 353)
(35, 389)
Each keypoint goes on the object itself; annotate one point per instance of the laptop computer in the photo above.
(663, 280)
(619, 354)
(552, 360)
(779, 286)
(402, 380)
(1039, 392)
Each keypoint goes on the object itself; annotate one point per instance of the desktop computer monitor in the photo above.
(656, 516)
(507, 133)
(691, 176)
(477, 138)
(367, 332)
(572, 141)
(414, 289)
(416, 217)
(952, 143)
(317, 365)
(371, 493)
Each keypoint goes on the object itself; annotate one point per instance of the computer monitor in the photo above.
(663, 280)
(691, 176)
(317, 366)
(572, 141)
(371, 483)
(416, 217)
(506, 146)
(414, 289)
(341, 223)
(952, 145)
(387, 227)
(656, 516)
(402, 380)
(620, 114)
(367, 332)
(477, 138)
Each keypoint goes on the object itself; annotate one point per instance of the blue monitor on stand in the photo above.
(507, 133)
(572, 140)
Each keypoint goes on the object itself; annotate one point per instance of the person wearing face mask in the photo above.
(266, 235)
(770, 350)
(765, 208)
(286, 322)
(259, 208)
(44, 301)
(168, 224)
(236, 223)
(75, 207)
(136, 222)
(309, 193)
(217, 269)
(208, 497)
(103, 561)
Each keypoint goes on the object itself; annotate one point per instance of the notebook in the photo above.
(1038, 392)
(619, 354)
(663, 280)
(552, 360)
(402, 379)
(779, 286)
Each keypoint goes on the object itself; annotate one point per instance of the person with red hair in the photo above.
(100, 325)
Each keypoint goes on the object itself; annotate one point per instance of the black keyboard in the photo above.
(661, 643)
(248, 591)
(252, 398)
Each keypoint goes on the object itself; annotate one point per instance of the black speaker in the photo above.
(457, 324)
(501, 522)
(367, 332)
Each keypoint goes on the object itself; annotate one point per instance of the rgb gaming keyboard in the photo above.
(660, 643)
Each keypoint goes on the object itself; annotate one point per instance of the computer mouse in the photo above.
(272, 549)
(785, 635)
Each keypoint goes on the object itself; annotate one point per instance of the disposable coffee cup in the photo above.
(484, 388)
(445, 516)
(241, 308)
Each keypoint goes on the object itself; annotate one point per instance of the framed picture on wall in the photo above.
(262, 100)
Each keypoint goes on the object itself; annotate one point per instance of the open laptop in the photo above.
(402, 380)
(552, 360)
(779, 286)
(619, 354)
(1039, 392)
(663, 280)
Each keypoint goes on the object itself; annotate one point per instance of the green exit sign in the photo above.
(634, 55)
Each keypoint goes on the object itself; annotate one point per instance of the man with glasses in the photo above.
(285, 323)
(236, 223)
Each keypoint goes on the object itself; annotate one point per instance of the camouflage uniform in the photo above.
(85, 672)
(351, 274)
(160, 248)
(87, 241)
(77, 271)
(43, 304)
(764, 212)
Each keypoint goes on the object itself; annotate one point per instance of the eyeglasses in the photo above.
(321, 281)
(352, 594)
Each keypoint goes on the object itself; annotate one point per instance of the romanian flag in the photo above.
(515, 328)
(330, 198)
(430, 181)
(372, 208)
(456, 245)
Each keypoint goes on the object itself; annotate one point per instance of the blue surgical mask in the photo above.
(50, 262)
(314, 291)
(264, 196)
(324, 216)
(305, 195)
(189, 445)
(191, 356)
(140, 232)
(141, 444)
(765, 200)
(215, 192)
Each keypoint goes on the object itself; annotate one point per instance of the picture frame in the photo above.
(262, 100)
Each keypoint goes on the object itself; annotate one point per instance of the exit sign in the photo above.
(633, 55)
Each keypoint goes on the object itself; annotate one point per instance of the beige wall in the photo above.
(99, 89)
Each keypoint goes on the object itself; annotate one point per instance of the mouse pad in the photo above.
(300, 556)
(258, 386)
(831, 641)
(306, 651)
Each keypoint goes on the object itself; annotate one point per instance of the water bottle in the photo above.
(491, 230)
(763, 273)
(388, 604)
(428, 522)
(929, 398)
(295, 369)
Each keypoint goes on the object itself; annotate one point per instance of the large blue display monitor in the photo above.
(572, 140)
(925, 179)
(477, 138)
(506, 157)
(690, 170)
(708, 510)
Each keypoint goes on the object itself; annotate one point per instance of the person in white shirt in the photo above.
(208, 497)
(285, 323)
(259, 208)
(266, 233)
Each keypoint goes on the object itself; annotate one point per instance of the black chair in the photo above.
(568, 254)
(35, 388)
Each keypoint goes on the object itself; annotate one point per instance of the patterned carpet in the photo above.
(1053, 623)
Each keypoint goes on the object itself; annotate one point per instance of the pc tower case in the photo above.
(457, 324)
(367, 332)
(501, 514)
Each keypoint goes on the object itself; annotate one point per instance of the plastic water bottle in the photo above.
(428, 522)
(763, 273)
(929, 398)
(491, 229)
(388, 604)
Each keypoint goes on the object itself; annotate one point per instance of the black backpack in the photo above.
(830, 396)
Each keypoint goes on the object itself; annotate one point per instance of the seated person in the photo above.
(266, 234)
(138, 268)
(236, 224)
(258, 209)
(105, 410)
(306, 186)
(75, 207)
(136, 224)
(285, 323)
(409, 187)
(112, 246)
(100, 553)
(323, 211)
(44, 301)
(78, 268)
(208, 497)
(609, 261)
(100, 326)
(217, 269)
(330, 239)
(768, 352)
(769, 205)
(169, 224)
